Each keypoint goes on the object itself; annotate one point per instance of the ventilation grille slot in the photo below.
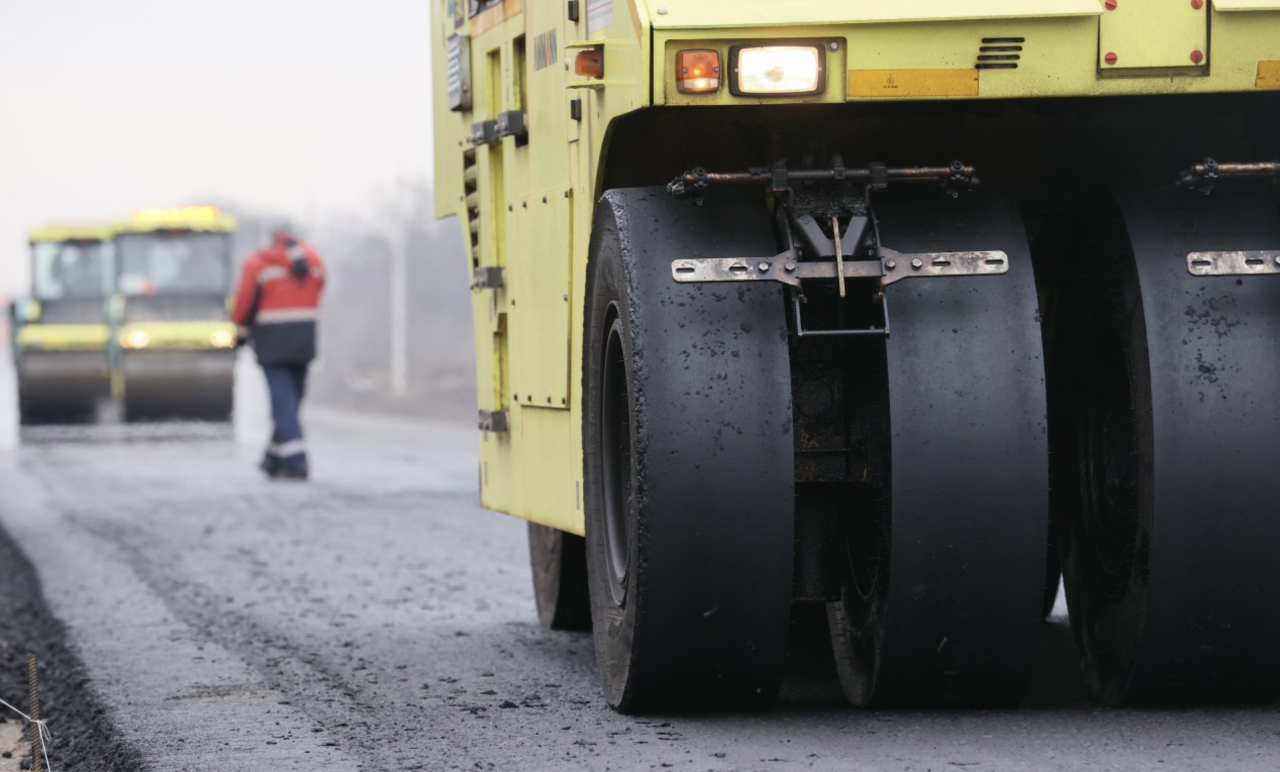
(999, 53)
(469, 176)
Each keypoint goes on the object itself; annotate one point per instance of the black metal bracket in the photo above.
(1204, 176)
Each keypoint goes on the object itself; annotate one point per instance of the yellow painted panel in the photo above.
(448, 125)
(912, 83)
(1152, 34)
(538, 307)
(1057, 57)
(497, 478)
(757, 13)
(1268, 75)
(1246, 5)
(548, 492)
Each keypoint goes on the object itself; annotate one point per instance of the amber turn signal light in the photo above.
(697, 71)
(589, 63)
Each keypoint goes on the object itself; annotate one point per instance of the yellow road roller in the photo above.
(61, 331)
(174, 340)
(898, 309)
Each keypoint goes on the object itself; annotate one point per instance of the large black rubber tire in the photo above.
(942, 601)
(1168, 382)
(689, 477)
(558, 562)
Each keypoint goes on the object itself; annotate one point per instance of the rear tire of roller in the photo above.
(558, 561)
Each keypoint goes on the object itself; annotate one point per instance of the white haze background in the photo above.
(319, 111)
(307, 109)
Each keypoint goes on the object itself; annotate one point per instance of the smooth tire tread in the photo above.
(945, 577)
(689, 481)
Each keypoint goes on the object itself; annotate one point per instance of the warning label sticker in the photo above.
(599, 15)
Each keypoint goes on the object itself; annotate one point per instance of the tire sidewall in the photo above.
(613, 624)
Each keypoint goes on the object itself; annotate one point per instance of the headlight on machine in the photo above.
(781, 70)
(222, 339)
(134, 339)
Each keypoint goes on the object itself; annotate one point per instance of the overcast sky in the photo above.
(298, 108)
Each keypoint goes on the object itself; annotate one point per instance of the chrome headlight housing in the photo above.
(777, 69)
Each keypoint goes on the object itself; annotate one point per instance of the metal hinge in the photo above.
(484, 133)
(488, 277)
(511, 124)
(493, 421)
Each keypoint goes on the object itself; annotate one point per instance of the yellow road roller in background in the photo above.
(747, 321)
(175, 345)
(61, 332)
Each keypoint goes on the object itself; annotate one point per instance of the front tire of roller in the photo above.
(689, 481)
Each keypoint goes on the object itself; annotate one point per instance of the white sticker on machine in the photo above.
(599, 15)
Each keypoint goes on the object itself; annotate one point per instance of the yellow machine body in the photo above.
(525, 199)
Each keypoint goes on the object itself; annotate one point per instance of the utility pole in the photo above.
(400, 309)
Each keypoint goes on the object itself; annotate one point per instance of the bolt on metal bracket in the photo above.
(1233, 263)
(899, 266)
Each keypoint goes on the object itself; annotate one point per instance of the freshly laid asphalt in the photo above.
(193, 616)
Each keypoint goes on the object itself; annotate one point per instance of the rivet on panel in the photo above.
(1110, 58)
(1197, 57)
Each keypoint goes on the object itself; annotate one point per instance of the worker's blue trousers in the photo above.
(287, 450)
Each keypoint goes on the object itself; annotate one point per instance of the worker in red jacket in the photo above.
(276, 306)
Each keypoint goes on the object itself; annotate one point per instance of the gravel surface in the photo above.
(377, 619)
(85, 738)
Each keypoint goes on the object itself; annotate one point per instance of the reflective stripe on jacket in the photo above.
(279, 302)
